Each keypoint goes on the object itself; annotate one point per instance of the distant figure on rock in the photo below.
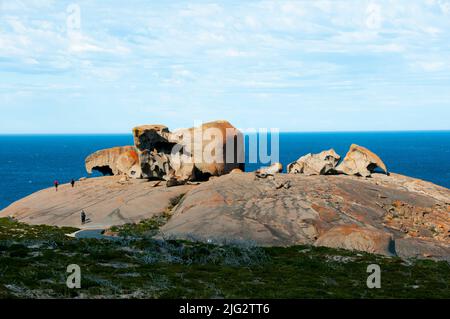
(83, 217)
(72, 182)
(56, 183)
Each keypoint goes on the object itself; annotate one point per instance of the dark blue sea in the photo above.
(32, 162)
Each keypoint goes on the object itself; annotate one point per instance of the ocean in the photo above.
(29, 163)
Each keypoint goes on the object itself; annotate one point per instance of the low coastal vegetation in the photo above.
(147, 228)
(34, 259)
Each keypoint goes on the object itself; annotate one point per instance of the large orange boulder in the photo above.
(360, 161)
(216, 148)
(115, 161)
(212, 149)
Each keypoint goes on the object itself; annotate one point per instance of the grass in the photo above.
(145, 228)
(33, 262)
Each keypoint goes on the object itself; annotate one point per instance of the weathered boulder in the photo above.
(155, 149)
(164, 166)
(150, 137)
(237, 171)
(360, 161)
(271, 170)
(128, 164)
(353, 237)
(155, 165)
(315, 164)
(213, 149)
(115, 161)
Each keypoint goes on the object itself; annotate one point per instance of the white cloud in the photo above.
(201, 10)
(222, 49)
(430, 65)
(236, 53)
(251, 22)
(80, 44)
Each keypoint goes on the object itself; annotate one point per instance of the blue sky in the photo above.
(106, 66)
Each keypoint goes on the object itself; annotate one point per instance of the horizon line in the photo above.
(130, 133)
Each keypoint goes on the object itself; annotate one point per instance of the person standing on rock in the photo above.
(56, 183)
(72, 182)
(83, 217)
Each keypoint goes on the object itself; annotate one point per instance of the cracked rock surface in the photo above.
(107, 201)
(388, 215)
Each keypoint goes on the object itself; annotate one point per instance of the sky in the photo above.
(107, 66)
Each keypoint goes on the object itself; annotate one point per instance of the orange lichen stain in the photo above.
(325, 213)
(398, 204)
(134, 155)
(348, 229)
(351, 211)
(423, 222)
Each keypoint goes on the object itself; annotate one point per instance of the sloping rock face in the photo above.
(106, 200)
(335, 210)
(115, 161)
(360, 161)
(214, 149)
(353, 237)
(389, 215)
(315, 164)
